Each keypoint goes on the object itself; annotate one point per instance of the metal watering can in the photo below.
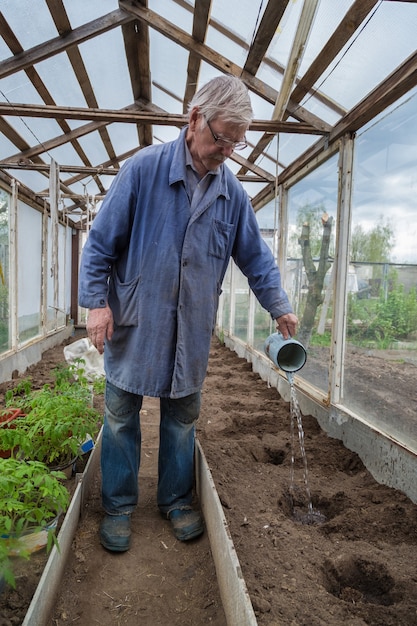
(287, 354)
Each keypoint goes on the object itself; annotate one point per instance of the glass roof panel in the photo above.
(282, 42)
(6, 147)
(238, 16)
(169, 69)
(110, 79)
(328, 16)
(321, 110)
(252, 189)
(207, 72)
(79, 11)
(261, 107)
(367, 57)
(64, 92)
(34, 131)
(169, 102)
(174, 13)
(18, 88)
(124, 137)
(107, 181)
(225, 46)
(165, 133)
(23, 15)
(64, 155)
(34, 180)
(4, 50)
(94, 148)
(292, 145)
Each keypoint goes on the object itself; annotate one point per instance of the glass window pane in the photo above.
(5, 337)
(29, 232)
(263, 327)
(382, 309)
(312, 213)
(241, 295)
(226, 300)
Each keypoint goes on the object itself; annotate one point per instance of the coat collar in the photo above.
(178, 164)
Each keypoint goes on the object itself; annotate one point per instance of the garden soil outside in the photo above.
(358, 567)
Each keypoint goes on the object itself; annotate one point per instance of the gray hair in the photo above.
(224, 97)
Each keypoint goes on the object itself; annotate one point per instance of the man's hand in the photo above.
(287, 325)
(100, 327)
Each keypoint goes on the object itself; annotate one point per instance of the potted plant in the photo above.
(31, 500)
(55, 420)
(7, 417)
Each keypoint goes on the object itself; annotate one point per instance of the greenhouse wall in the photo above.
(359, 204)
(35, 282)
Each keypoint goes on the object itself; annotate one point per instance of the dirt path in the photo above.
(159, 581)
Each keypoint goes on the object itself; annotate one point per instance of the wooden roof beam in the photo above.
(270, 21)
(75, 37)
(140, 112)
(200, 23)
(308, 13)
(136, 40)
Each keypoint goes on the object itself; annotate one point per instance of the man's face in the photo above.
(211, 143)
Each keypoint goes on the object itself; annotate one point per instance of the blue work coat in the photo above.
(160, 268)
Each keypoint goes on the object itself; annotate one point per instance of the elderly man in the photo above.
(151, 276)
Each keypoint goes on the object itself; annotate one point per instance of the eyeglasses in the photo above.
(226, 143)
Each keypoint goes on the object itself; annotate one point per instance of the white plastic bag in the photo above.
(93, 360)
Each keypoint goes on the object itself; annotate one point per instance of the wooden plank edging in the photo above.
(43, 600)
(233, 591)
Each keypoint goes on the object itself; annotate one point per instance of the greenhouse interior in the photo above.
(329, 166)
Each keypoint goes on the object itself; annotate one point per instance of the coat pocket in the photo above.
(124, 301)
(219, 239)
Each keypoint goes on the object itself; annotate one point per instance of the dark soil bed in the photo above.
(358, 567)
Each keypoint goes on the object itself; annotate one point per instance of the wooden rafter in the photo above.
(200, 23)
(267, 28)
(139, 113)
(136, 40)
(61, 44)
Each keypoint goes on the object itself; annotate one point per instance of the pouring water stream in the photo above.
(312, 516)
(290, 356)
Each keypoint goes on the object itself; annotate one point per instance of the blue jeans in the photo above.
(121, 448)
